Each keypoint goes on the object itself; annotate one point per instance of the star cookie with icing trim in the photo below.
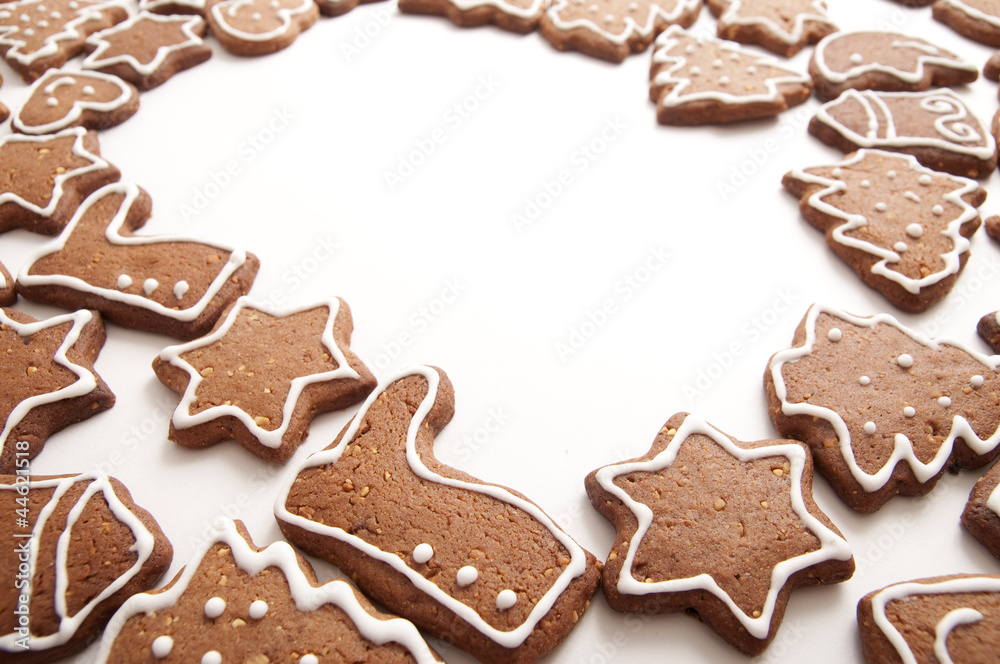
(784, 27)
(262, 375)
(721, 527)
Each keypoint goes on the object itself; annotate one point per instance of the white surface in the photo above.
(439, 264)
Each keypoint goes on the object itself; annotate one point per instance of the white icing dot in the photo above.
(309, 659)
(837, 172)
(24, 18)
(866, 183)
(422, 553)
(467, 575)
(914, 230)
(124, 281)
(834, 334)
(29, 32)
(944, 402)
(900, 247)
(609, 18)
(977, 381)
(881, 207)
(74, 5)
(212, 657)
(870, 428)
(695, 71)
(256, 16)
(865, 380)
(909, 195)
(52, 101)
(857, 58)
(180, 289)
(909, 411)
(214, 607)
(905, 360)
(258, 609)
(689, 49)
(274, 4)
(506, 599)
(594, 9)
(925, 179)
(891, 175)
(723, 80)
(42, 24)
(751, 69)
(88, 89)
(937, 209)
(150, 285)
(633, 6)
(717, 63)
(55, 15)
(162, 646)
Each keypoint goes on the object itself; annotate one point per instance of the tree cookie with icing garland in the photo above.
(49, 380)
(884, 409)
(939, 620)
(262, 375)
(259, 27)
(236, 602)
(784, 27)
(62, 99)
(978, 20)
(701, 80)
(89, 547)
(981, 516)
(877, 60)
(475, 564)
(903, 228)
(519, 16)
(167, 284)
(721, 527)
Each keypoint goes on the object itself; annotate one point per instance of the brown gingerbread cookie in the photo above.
(49, 378)
(992, 224)
(991, 69)
(723, 528)
(43, 179)
(7, 293)
(944, 619)
(148, 48)
(85, 547)
(989, 330)
(61, 99)
(4, 111)
(879, 60)
(236, 602)
(171, 285)
(903, 228)
(784, 27)
(700, 80)
(981, 516)
(520, 16)
(476, 564)
(259, 27)
(884, 409)
(262, 375)
(976, 19)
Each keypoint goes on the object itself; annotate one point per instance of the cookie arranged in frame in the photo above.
(903, 228)
(937, 620)
(236, 602)
(700, 80)
(43, 179)
(884, 409)
(38, 35)
(784, 27)
(48, 371)
(148, 49)
(978, 20)
(259, 27)
(934, 126)
(7, 292)
(613, 29)
(519, 16)
(62, 99)
(475, 563)
(876, 60)
(167, 284)
(262, 375)
(698, 494)
(89, 547)
(981, 516)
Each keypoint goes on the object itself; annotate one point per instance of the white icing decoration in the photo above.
(977, 381)
(507, 639)
(944, 402)
(914, 230)
(909, 411)
(309, 659)
(870, 428)
(229, 8)
(182, 417)
(881, 207)
(162, 646)
(631, 28)
(723, 80)
(891, 174)
(993, 502)
(835, 334)
(88, 90)
(150, 285)
(423, 553)
(731, 17)
(124, 281)
(865, 380)
(905, 360)
(51, 102)
(258, 609)
(837, 172)
(506, 599)
(466, 576)
(900, 247)
(214, 607)
(100, 42)
(938, 209)
(927, 55)
(695, 70)
(857, 58)
(55, 78)
(866, 183)
(212, 657)
(951, 620)
(306, 596)
(181, 288)
(974, 13)
(925, 179)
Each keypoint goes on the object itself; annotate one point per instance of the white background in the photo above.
(742, 269)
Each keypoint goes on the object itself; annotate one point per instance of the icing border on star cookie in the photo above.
(93, 61)
(729, 18)
(51, 46)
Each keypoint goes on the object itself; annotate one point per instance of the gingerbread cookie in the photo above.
(877, 60)
(62, 99)
(989, 330)
(698, 494)
(613, 29)
(4, 111)
(77, 548)
(43, 179)
(166, 284)
(237, 602)
(148, 48)
(38, 35)
(262, 375)
(474, 563)
(700, 80)
(884, 409)
(784, 27)
(7, 292)
(934, 126)
(939, 620)
(991, 69)
(49, 378)
(981, 516)
(259, 27)
(520, 16)
(976, 19)
(902, 228)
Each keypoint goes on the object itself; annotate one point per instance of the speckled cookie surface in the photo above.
(784, 27)
(976, 19)
(62, 98)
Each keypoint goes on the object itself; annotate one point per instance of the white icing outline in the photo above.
(85, 382)
(183, 419)
(99, 41)
(237, 257)
(307, 597)
(832, 545)
(933, 56)
(730, 18)
(508, 639)
(852, 221)
(532, 11)
(973, 12)
(671, 38)
(57, 77)
(903, 448)
(873, 105)
(50, 46)
(143, 548)
(681, 9)
(881, 599)
(284, 14)
(993, 502)
(947, 624)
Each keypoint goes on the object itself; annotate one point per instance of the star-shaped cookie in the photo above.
(261, 375)
(784, 27)
(49, 380)
(43, 179)
(724, 528)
